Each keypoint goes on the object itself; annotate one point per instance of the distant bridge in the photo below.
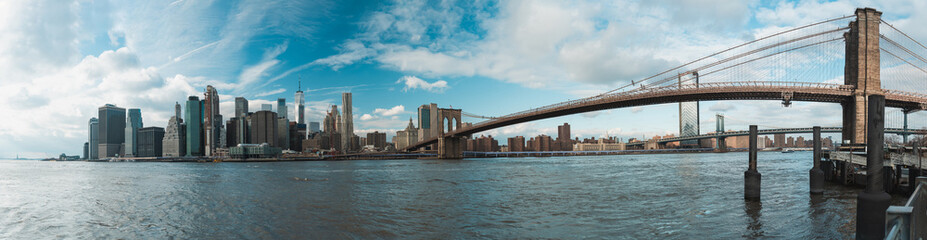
(898, 131)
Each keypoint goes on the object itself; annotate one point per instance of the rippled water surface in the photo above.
(685, 196)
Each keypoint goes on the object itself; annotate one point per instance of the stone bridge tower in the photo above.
(861, 71)
(449, 147)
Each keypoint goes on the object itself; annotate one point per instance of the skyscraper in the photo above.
(213, 121)
(688, 122)
(112, 130)
(241, 106)
(427, 121)
(281, 108)
(174, 141)
(133, 123)
(300, 108)
(330, 123)
(194, 116)
(347, 129)
(563, 132)
(94, 139)
(150, 142)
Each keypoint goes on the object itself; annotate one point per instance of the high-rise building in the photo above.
(86, 150)
(406, 137)
(330, 123)
(174, 142)
(427, 121)
(779, 139)
(347, 128)
(194, 116)
(377, 139)
(688, 122)
(241, 107)
(516, 144)
(563, 132)
(212, 125)
(300, 108)
(133, 123)
(281, 108)
(112, 132)
(314, 127)
(94, 139)
(150, 142)
(264, 128)
(283, 133)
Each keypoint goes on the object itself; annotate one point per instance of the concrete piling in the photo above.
(752, 176)
(816, 174)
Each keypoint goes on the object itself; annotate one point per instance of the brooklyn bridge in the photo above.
(843, 60)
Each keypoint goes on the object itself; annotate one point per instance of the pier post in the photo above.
(816, 175)
(752, 176)
(872, 203)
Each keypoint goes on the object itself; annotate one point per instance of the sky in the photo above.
(60, 60)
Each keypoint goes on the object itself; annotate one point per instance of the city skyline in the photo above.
(113, 59)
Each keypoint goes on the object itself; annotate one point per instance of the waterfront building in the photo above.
(406, 137)
(563, 142)
(150, 142)
(263, 150)
(347, 127)
(483, 144)
(194, 132)
(174, 142)
(688, 123)
(283, 133)
(241, 107)
(600, 145)
(112, 130)
(281, 108)
(516, 144)
(779, 139)
(300, 108)
(94, 138)
(377, 139)
(212, 124)
(541, 143)
(133, 123)
(264, 128)
(86, 150)
(314, 127)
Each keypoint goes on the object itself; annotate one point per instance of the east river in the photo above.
(673, 196)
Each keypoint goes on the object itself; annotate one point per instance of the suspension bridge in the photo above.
(843, 60)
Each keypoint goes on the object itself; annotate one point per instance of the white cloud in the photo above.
(636, 109)
(390, 112)
(722, 107)
(366, 117)
(272, 92)
(413, 82)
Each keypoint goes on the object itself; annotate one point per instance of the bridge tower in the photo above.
(861, 71)
(449, 146)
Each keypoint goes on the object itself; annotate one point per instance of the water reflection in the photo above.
(754, 209)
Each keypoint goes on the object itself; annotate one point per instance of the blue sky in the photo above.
(62, 59)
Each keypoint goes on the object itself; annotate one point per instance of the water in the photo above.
(681, 196)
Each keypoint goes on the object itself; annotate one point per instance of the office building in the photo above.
(194, 116)
(212, 124)
(94, 138)
(174, 143)
(347, 127)
(86, 150)
(264, 128)
(241, 107)
(112, 130)
(133, 123)
(150, 142)
(281, 108)
(283, 133)
(406, 137)
(330, 123)
(428, 121)
(300, 108)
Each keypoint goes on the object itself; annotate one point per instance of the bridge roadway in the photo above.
(774, 131)
(712, 91)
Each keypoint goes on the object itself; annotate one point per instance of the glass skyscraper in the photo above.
(194, 115)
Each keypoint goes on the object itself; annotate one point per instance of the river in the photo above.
(671, 196)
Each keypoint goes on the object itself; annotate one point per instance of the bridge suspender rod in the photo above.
(769, 55)
(902, 33)
(732, 48)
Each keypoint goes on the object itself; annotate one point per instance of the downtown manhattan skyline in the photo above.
(63, 61)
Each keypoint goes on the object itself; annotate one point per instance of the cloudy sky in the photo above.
(60, 60)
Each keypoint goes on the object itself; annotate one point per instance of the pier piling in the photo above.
(816, 175)
(872, 203)
(752, 176)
